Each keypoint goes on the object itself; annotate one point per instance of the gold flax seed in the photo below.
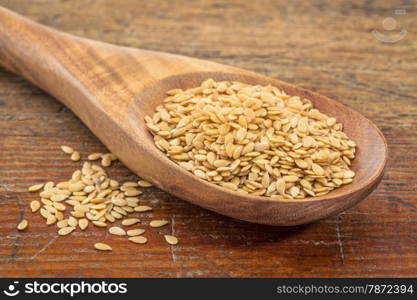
(138, 239)
(253, 139)
(102, 247)
(172, 240)
(22, 225)
(158, 223)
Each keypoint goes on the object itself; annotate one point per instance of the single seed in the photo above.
(46, 201)
(116, 215)
(51, 220)
(130, 183)
(76, 187)
(59, 216)
(143, 183)
(35, 205)
(132, 193)
(94, 156)
(172, 240)
(317, 169)
(72, 221)
(229, 185)
(63, 223)
(59, 206)
(22, 225)
(67, 149)
(119, 202)
(45, 213)
(138, 239)
(142, 208)
(112, 156)
(105, 161)
(119, 210)
(290, 178)
(75, 156)
(35, 187)
(83, 223)
(158, 223)
(128, 209)
(349, 174)
(66, 230)
(294, 191)
(59, 197)
(129, 222)
(109, 218)
(46, 194)
(102, 247)
(117, 230)
(100, 223)
(77, 214)
(135, 232)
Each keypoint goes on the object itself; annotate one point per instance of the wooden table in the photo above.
(327, 46)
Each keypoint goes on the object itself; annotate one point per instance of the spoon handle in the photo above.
(75, 70)
(68, 67)
(30, 50)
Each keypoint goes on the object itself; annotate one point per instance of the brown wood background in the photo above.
(326, 46)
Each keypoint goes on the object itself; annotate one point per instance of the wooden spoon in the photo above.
(111, 88)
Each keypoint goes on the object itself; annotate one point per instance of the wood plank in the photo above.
(327, 47)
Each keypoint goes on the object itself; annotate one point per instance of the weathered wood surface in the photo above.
(327, 47)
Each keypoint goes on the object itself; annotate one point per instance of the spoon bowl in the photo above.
(111, 88)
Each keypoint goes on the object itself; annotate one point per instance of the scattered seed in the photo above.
(63, 223)
(172, 240)
(132, 193)
(117, 230)
(75, 156)
(66, 230)
(51, 220)
(142, 208)
(93, 196)
(102, 247)
(35, 205)
(112, 156)
(59, 216)
(76, 187)
(135, 232)
(35, 187)
(67, 150)
(138, 239)
(94, 156)
(105, 161)
(22, 225)
(59, 206)
(158, 223)
(45, 213)
(129, 222)
(143, 183)
(130, 184)
(72, 221)
(100, 223)
(46, 194)
(59, 197)
(119, 202)
(83, 223)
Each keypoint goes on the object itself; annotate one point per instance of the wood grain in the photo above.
(343, 61)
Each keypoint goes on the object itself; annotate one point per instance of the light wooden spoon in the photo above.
(112, 88)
